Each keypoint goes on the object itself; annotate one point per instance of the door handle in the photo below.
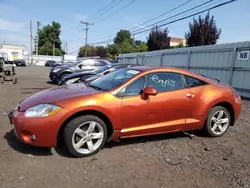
(190, 95)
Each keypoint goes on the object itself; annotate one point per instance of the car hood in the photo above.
(91, 78)
(79, 74)
(54, 95)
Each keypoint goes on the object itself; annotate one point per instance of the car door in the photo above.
(165, 112)
(196, 118)
(85, 65)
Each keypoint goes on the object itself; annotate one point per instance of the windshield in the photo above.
(114, 79)
(102, 69)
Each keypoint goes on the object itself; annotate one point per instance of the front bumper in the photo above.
(54, 77)
(41, 131)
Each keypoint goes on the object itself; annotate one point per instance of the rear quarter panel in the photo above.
(205, 97)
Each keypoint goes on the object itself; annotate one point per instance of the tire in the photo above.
(63, 75)
(83, 123)
(213, 121)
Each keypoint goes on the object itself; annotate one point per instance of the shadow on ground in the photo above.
(61, 150)
(23, 148)
(51, 83)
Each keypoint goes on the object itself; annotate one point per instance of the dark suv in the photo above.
(20, 62)
(52, 64)
(58, 73)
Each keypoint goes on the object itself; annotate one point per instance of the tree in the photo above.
(158, 39)
(124, 41)
(202, 32)
(179, 46)
(113, 51)
(49, 36)
(123, 36)
(140, 46)
(101, 51)
(91, 51)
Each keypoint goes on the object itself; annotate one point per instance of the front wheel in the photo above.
(85, 135)
(217, 122)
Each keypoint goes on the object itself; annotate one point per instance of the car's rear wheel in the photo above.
(85, 135)
(217, 122)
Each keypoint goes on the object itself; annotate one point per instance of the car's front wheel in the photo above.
(85, 135)
(217, 122)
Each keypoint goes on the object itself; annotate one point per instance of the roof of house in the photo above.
(177, 40)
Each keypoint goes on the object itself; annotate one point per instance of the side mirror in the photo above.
(149, 91)
(80, 66)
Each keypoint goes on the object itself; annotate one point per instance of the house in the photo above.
(174, 41)
(11, 51)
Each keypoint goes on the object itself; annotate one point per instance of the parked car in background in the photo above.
(1, 64)
(87, 76)
(20, 62)
(58, 73)
(130, 102)
(53, 64)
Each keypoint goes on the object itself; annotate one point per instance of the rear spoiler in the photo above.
(211, 78)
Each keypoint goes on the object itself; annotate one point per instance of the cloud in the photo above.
(8, 25)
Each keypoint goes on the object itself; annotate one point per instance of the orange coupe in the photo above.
(130, 102)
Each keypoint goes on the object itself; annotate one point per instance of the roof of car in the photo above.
(145, 68)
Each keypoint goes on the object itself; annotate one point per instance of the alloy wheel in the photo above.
(219, 122)
(87, 137)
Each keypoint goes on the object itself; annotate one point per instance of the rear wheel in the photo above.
(217, 122)
(85, 136)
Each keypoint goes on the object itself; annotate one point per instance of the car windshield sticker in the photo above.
(133, 72)
(164, 83)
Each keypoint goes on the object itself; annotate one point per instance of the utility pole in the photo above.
(37, 38)
(134, 39)
(31, 47)
(66, 47)
(87, 24)
(53, 48)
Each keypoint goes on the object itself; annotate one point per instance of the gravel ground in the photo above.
(170, 160)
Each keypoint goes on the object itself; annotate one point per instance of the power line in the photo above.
(112, 37)
(195, 7)
(183, 18)
(167, 12)
(93, 15)
(111, 7)
(117, 11)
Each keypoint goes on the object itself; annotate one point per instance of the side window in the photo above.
(136, 87)
(100, 63)
(194, 82)
(88, 62)
(163, 82)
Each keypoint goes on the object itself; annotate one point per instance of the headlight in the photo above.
(42, 110)
(71, 81)
(55, 70)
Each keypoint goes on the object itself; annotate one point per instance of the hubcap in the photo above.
(219, 122)
(87, 137)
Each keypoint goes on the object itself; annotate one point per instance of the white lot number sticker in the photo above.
(133, 72)
(243, 55)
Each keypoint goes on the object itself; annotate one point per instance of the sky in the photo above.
(15, 16)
